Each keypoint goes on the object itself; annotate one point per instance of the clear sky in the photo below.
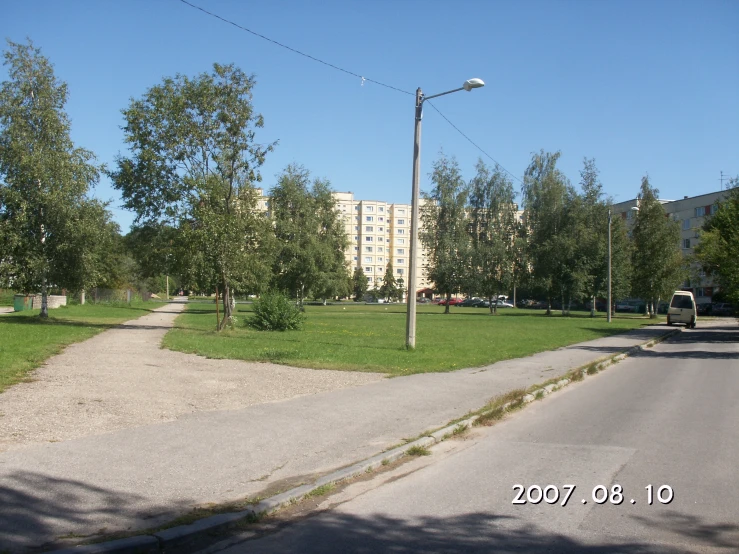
(642, 87)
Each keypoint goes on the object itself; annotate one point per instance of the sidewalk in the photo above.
(145, 476)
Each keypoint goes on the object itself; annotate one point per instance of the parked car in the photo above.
(625, 307)
(502, 304)
(722, 308)
(470, 302)
(423, 300)
(706, 308)
(682, 309)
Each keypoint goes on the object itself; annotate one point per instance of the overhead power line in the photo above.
(336, 67)
(367, 79)
(472, 142)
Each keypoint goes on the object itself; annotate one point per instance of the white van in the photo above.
(682, 309)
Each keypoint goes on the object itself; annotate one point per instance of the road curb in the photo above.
(181, 536)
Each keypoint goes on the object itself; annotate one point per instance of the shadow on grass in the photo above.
(39, 511)
(73, 323)
(473, 532)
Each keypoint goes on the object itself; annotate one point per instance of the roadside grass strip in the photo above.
(169, 537)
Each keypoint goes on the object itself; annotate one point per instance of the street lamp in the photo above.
(608, 309)
(410, 324)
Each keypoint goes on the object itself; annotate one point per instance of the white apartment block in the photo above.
(691, 213)
(377, 232)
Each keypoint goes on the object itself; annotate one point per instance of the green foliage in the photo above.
(360, 284)
(493, 228)
(718, 251)
(658, 266)
(553, 215)
(310, 237)
(194, 162)
(389, 289)
(275, 312)
(50, 233)
(444, 230)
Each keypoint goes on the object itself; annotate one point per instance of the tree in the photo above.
(389, 288)
(658, 266)
(552, 214)
(310, 234)
(48, 228)
(492, 224)
(444, 231)
(193, 165)
(718, 250)
(360, 284)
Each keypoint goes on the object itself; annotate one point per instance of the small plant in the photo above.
(488, 418)
(322, 490)
(418, 451)
(459, 430)
(592, 369)
(385, 461)
(576, 376)
(539, 395)
(275, 312)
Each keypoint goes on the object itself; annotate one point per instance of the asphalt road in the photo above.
(667, 417)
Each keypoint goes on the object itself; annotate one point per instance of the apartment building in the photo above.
(377, 232)
(690, 213)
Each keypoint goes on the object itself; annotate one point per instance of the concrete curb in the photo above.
(173, 538)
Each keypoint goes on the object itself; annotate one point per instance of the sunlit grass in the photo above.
(363, 337)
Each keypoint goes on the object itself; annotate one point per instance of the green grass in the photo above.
(361, 337)
(418, 451)
(6, 297)
(28, 340)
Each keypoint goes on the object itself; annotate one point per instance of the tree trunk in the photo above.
(446, 306)
(549, 305)
(592, 307)
(82, 297)
(218, 316)
(226, 306)
(563, 302)
(44, 298)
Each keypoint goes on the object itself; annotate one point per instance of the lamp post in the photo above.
(608, 309)
(410, 324)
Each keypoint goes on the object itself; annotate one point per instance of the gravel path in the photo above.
(121, 378)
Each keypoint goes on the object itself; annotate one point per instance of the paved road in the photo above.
(669, 416)
(141, 477)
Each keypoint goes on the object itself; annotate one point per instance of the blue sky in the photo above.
(642, 87)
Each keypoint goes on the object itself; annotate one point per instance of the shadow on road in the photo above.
(39, 512)
(474, 532)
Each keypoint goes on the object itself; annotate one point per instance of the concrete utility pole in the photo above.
(410, 323)
(608, 318)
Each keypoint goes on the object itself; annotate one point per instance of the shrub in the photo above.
(275, 312)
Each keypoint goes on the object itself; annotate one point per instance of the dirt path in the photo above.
(122, 378)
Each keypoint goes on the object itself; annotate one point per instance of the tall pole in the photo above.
(410, 323)
(609, 266)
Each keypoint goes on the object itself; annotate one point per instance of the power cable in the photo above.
(294, 50)
(471, 141)
(348, 73)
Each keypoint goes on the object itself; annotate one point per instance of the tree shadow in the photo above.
(40, 513)
(474, 532)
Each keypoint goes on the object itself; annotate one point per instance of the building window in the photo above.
(401, 212)
(686, 224)
(380, 229)
(401, 241)
(367, 239)
(369, 218)
(700, 211)
(356, 248)
(379, 248)
(401, 222)
(368, 270)
(369, 279)
(401, 250)
(356, 207)
(368, 249)
(369, 208)
(401, 231)
(388, 240)
(400, 261)
(355, 258)
(630, 214)
(356, 237)
(356, 218)
(686, 243)
(380, 219)
(381, 209)
(368, 259)
(399, 271)
(368, 229)
(379, 259)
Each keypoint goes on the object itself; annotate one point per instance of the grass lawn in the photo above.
(26, 341)
(361, 337)
(6, 297)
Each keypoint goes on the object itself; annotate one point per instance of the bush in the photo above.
(275, 312)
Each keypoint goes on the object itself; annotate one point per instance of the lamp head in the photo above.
(469, 84)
